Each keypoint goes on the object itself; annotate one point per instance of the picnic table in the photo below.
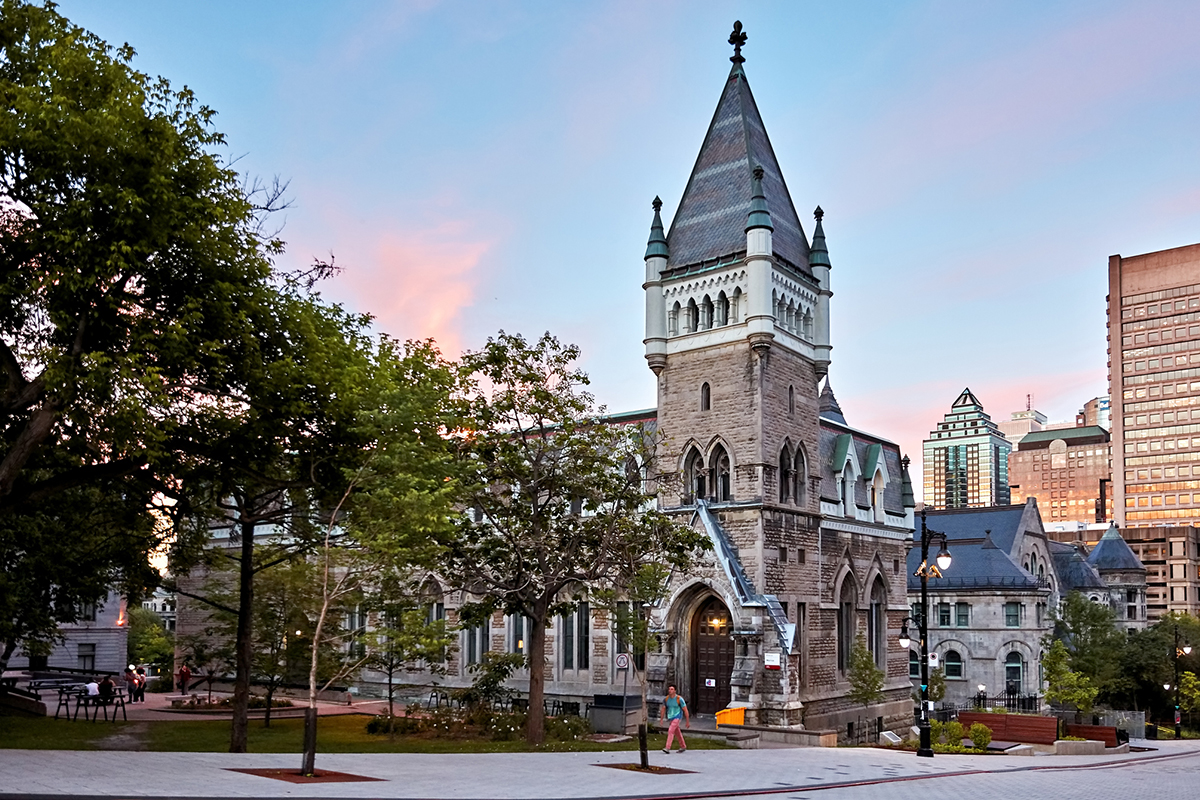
(92, 704)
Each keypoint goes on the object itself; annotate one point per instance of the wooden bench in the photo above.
(1024, 728)
(1103, 733)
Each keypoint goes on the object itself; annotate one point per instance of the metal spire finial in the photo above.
(657, 204)
(737, 39)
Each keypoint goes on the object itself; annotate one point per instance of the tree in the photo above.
(1089, 634)
(128, 253)
(1065, 686)
(406, 633)
(149, 641)
(866, 678)
(559, 504)
(272, 450)
(394, 515)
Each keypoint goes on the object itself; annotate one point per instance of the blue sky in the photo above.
(478, 166)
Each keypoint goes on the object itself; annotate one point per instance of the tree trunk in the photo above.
(391, 715)
(535, 721)
(309, 766)
(9, 646)
(241, 683)
(267, 714)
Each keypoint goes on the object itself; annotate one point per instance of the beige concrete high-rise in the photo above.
(1154, 381)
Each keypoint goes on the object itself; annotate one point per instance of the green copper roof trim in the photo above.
(818, 253)
(874, 452)
(657, 246)
(760, 215)
(840, 450)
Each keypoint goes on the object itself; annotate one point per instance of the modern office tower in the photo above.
(1067, 470)
(966, 459)
(1021, 424)
(1154, 382)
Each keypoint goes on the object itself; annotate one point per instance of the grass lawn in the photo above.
(336, 734)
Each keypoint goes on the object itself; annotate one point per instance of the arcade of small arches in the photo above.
(792, 316)
(707, 314)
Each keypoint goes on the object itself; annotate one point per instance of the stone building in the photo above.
(96, 642)
(989, 611)
(809, 516)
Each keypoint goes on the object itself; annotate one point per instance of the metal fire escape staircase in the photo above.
(727, 553)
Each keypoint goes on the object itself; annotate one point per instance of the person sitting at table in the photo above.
(93, 688)
(107, 687)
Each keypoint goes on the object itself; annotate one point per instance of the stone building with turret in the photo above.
(809, 516)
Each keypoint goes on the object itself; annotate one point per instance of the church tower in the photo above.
(809, 518)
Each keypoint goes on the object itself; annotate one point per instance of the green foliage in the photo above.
(954, 732)
(937, 685)
(937, 729)
(491, 674)
(1189, 692)
(1064, 686)
(1089, 634)
(981, 735)
(866, 678)
(130, 254)
(561, 507)
(149, 641)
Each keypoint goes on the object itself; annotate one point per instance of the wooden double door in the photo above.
(712, 657)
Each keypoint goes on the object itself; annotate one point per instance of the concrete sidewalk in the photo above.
(547, 776)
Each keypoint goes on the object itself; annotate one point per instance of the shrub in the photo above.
(954, 732)
(937, 729)
(981, 735)
(401, 725)
(506, 727)
(567, 728)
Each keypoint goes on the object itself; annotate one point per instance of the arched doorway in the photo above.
(712, 655)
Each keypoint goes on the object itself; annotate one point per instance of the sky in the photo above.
(487, 166)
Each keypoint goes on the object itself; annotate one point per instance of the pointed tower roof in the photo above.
(966, 399)
(712, 215)
(1112, 553)
(818, 254)
(829, 408)
(657, 246)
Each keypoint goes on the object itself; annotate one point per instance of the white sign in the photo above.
(933, 660)
(622, 661)
(771, 660)
(710, 683)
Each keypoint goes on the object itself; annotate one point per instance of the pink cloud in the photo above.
(417, 283)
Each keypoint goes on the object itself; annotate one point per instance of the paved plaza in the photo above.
(1170, 771)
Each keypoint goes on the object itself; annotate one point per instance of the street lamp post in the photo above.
(925, 571)
(1179, 651)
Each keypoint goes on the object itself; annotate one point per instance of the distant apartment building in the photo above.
(966, 459)
(1068, 471)
(1154, 381)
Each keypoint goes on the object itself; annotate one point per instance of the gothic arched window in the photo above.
(791, 400)
(722, 310)
(735, 305)
(706, 313)
(785, 474)
(877, 623)
(800, 477)
(693, 477)
(845, 622)
(722, 490)
(673, 320)
(692, 318)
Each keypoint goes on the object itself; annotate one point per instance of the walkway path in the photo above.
(1173, 770)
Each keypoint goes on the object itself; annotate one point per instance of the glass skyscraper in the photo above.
(966, 459)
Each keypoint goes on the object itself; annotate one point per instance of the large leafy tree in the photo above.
(559, 501)
(1088, 632)
(131, 256)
